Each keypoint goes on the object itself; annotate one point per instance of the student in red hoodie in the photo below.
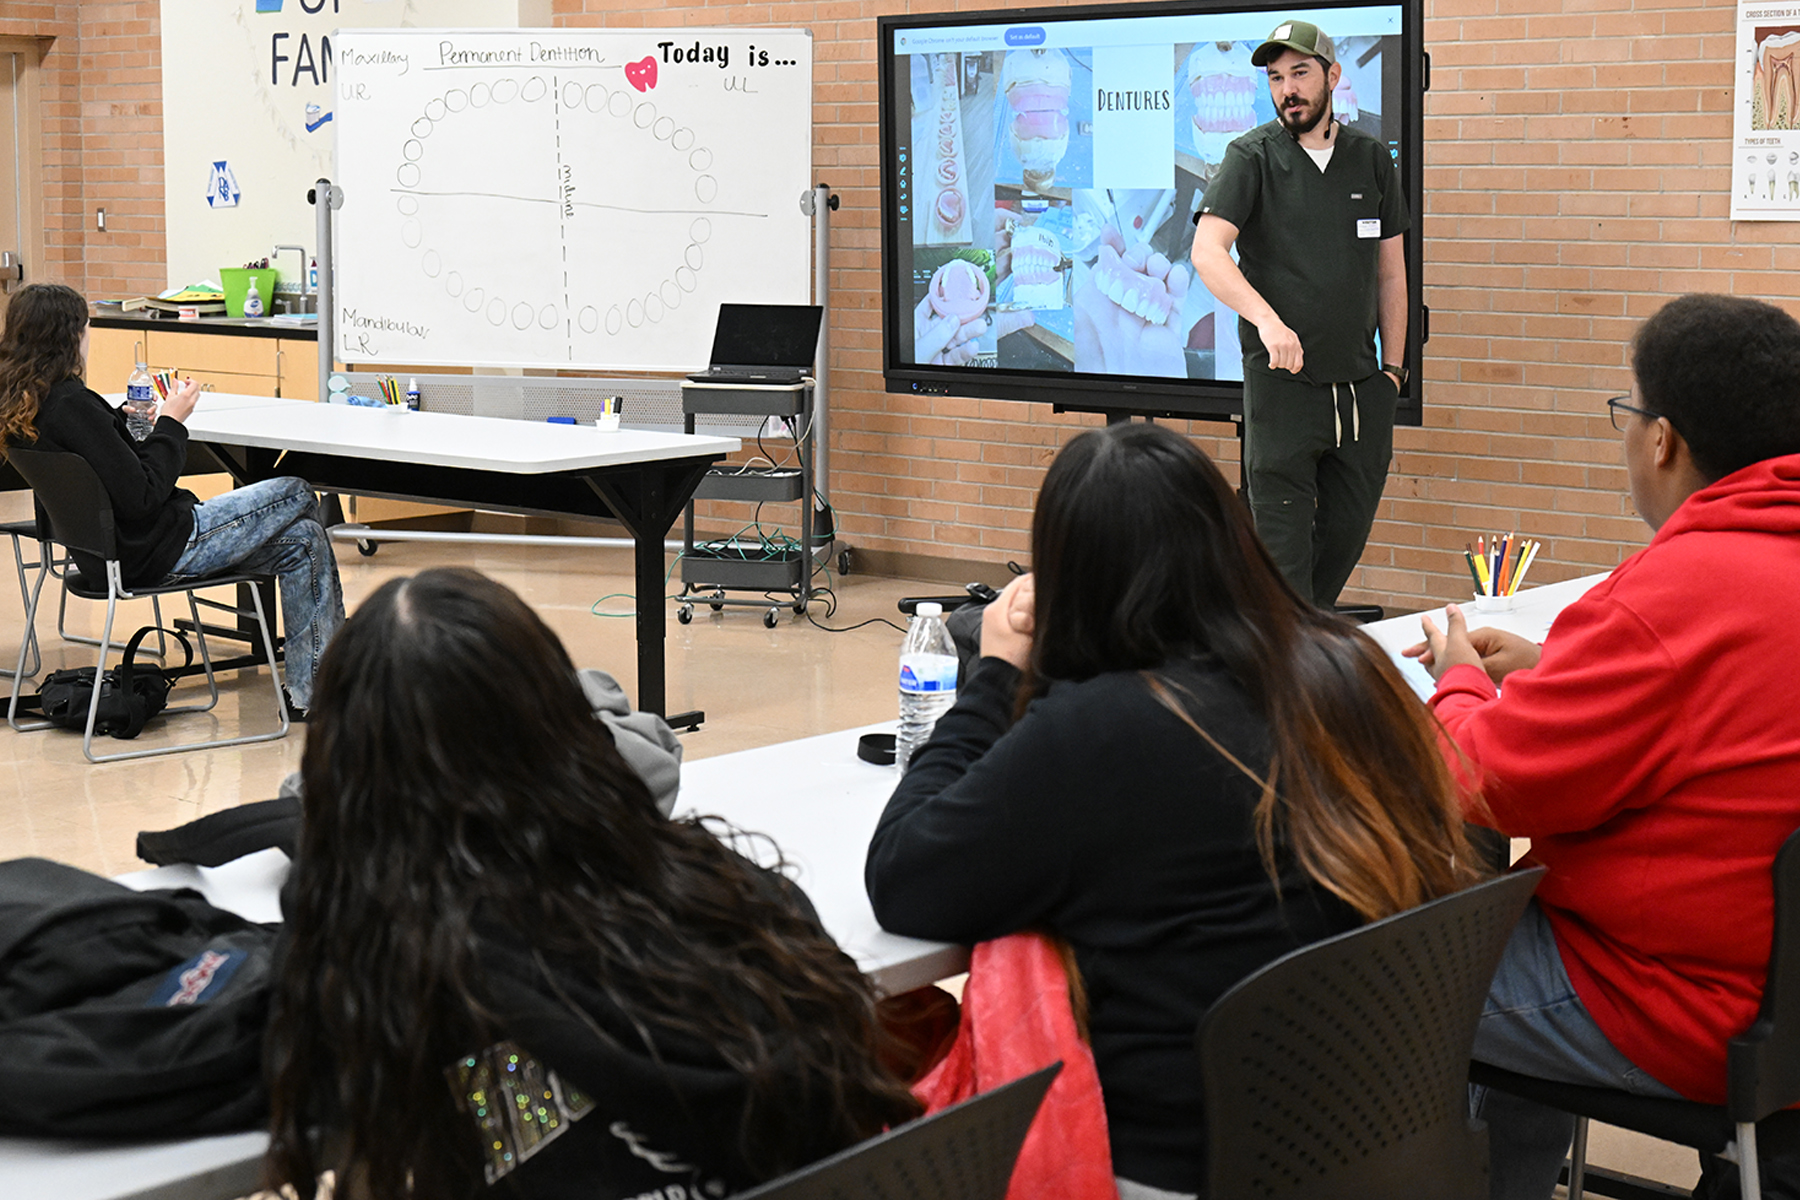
(1650, 749)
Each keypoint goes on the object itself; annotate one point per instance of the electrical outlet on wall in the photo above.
(100, 219)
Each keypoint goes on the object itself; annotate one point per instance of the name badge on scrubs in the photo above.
(1369, 228)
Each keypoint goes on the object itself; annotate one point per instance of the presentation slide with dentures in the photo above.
(1048, 177)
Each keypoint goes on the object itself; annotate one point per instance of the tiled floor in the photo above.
(756, 685)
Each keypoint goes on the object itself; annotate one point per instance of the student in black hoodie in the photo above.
(1169, 759)
(164, 532)
(508, 969)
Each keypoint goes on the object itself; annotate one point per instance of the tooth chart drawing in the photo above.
(591, 210)
(1775, 102)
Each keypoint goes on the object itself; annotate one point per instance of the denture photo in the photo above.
(1035, 255)
(1143, 292)
(1224, 86)
(959, 289)
(1036, 83)
(949, 209)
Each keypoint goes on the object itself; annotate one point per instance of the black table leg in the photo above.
(647, 501)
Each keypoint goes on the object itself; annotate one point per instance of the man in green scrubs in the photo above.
(1316, 211)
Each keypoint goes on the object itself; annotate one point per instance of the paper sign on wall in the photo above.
(222, 187)
(1765, 168)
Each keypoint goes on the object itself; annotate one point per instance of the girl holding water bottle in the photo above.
(164, 532)
(1168, 759)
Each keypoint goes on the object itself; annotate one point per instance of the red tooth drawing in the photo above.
(642, 74)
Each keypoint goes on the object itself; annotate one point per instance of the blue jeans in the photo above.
(273, 528)
(1534, 1024)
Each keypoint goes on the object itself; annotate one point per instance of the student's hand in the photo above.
(1445, 648)
(1501, 653)
(181, 401)
(1283, 345)
(1008, 624)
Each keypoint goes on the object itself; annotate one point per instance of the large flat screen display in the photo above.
(1040, 174)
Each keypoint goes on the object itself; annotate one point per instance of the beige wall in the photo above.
(1576, 170)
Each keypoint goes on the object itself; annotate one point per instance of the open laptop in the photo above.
(763, 343)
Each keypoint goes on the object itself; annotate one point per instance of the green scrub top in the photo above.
(1308, 242)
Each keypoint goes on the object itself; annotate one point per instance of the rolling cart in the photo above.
(783, 574)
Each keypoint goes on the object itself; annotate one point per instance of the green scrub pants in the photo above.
(1316, 459)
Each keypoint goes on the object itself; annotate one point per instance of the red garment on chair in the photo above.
(1016, 1019)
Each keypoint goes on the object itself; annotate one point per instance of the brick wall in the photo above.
(1577, 159)
(121, 147)
(102, 140)
(55, 27)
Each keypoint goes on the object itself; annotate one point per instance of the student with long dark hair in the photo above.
(1170, 760)
(506, 965)
(165, 533)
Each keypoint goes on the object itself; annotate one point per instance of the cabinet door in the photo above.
(299, 369)
(193, 352)
(111, 355)
(237, 385)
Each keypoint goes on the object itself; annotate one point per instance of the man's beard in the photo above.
(1297, 124)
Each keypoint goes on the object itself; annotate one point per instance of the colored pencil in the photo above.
(1530, 554)
(1469, 555)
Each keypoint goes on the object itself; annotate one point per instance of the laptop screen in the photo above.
(766, 335)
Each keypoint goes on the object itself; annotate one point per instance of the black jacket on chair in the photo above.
(154, 517)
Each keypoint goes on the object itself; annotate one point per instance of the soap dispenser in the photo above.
(253, 305)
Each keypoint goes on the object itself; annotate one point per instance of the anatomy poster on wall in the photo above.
(1765, 165)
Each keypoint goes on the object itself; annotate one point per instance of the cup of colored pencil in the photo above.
(1498, 566)
(391, 394)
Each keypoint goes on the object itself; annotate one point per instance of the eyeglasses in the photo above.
(1617, 403)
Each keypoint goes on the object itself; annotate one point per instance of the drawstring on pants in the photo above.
(1337, 416)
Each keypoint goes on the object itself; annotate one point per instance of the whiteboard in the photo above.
(251, 86)
(566, 198)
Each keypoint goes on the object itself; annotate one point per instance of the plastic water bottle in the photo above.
(140, 403)
(253, 305)
(927, 680)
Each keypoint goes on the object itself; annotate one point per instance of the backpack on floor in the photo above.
(127, 1013)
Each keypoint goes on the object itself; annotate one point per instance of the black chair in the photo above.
(21, 532)
(1762, 1072)
(80, 518)
(965, 1152)
(1342, 1069)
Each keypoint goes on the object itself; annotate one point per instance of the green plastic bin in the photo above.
(236, 282)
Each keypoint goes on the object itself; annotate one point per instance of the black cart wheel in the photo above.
(685, 614)
(799, 608)
(845, 562)
(769, 618)
(367, 548)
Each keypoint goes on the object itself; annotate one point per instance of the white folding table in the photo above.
(642, 479)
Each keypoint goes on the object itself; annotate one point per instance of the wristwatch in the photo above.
(1397, 372)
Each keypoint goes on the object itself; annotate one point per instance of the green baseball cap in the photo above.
(1303, 36)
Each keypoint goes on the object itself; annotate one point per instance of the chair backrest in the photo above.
(1764, 1063)
(1342, 1069)
(965, 1152)
(80, 511)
